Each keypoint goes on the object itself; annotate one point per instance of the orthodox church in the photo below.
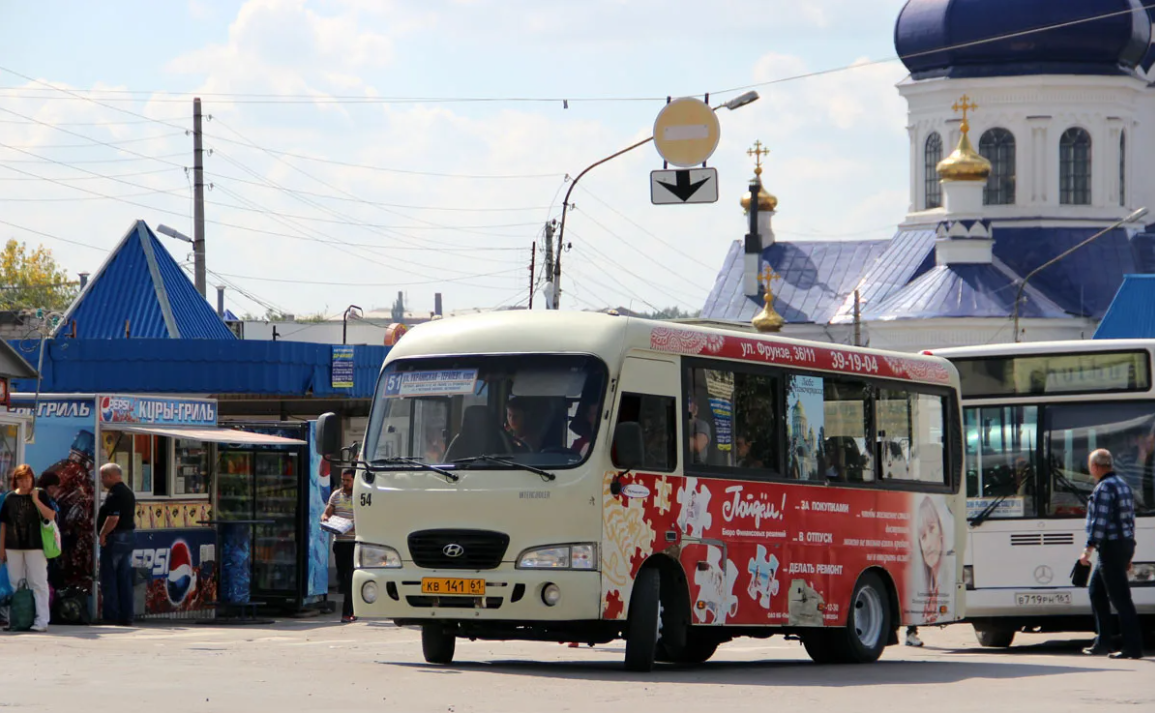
(1028, 123)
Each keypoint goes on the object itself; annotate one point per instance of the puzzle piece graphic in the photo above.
(763, 577)
(662, 499)
(694, 518)
(715, 589)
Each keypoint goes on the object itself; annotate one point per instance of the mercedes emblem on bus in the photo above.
(453, 550)
(1044, 574)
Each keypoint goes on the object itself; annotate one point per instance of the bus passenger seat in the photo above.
(480, 435)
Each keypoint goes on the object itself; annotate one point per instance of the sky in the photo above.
(360, 148)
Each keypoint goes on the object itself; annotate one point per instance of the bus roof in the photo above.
(1074, 346)
(610, 336)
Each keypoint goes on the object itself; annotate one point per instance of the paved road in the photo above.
(315, 665)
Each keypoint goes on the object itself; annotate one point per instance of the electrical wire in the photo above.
(90, 178)
(88, 138)
(51, 236)
(438, 280)
(93, 141)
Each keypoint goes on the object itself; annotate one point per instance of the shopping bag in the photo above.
(22, 608)
(5, 585)
(50, 535)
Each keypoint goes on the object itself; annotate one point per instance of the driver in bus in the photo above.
(1137, 466)
(517, 426)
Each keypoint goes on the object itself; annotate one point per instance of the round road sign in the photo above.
(686, 132)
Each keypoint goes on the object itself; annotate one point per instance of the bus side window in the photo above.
(656, 415)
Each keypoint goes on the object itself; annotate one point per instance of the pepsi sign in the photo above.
(177, 565)
(157, 411)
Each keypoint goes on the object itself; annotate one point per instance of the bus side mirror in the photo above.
(329, 434)
(629, 448)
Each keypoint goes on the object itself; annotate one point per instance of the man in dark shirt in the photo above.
(116, 522)
(1111, 530)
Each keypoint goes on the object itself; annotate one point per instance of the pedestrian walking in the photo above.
(341, 505)
(21, 544)
(116, 523)
(912, 636)
(1110, 528)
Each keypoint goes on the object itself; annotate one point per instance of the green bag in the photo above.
(22, 608)
(50, 536)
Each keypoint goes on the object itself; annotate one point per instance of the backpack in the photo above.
(22, 608)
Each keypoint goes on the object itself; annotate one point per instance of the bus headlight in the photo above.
(581, 556)
(969, 576)
(1142, 573)
(376, 557)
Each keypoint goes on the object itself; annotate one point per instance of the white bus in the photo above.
(574, 477)
(1032, 413)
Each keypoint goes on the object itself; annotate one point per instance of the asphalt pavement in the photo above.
(323, 665)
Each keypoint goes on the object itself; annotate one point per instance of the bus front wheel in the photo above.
(437, 644)
(864, 637)
(643, 625)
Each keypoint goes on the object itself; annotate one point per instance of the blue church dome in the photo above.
(1114, 44)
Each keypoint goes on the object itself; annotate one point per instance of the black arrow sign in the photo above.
(683, 188)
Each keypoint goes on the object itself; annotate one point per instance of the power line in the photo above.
(384, 169)
(125, 159)
(86, 138)
(643, 253)
(93, 123)
(180, 191)
(458, 280)
(330, 196)
(629, 272)
(51, 236)
(89, 178)
(90, 145)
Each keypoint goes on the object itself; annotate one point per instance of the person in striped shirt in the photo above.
(1110, 529)
(341, 505)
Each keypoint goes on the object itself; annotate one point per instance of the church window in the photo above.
(998, 147)
(1123, 169)
(1075, 167)
(932, 154)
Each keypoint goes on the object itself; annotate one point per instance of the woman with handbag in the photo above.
(21, 540)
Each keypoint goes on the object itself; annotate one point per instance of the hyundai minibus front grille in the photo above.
(458, 549)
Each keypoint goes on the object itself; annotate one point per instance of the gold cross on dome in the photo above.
(758, 152)
(768, 277)
(964, 104)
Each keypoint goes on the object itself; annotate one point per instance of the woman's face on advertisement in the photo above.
(930, 539)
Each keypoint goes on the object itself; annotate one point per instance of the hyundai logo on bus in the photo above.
(453, 550)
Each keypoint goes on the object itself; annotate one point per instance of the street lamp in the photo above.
(1022, 285)
(739, 101)
(173, 233)
(345, 320)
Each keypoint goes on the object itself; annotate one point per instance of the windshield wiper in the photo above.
(545, 474)
(988, 511)
(414, 462)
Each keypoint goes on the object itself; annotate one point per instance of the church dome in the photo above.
(1114, 44)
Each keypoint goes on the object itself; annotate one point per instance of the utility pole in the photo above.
(198, 202)
(551, 270)
(532, 267)
(858, 322)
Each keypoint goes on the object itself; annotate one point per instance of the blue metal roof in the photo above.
(141, 293)
(198, 366)
(817, 277)
(1132, 312)
(965, 290)
(1083, 284)
(908, 254)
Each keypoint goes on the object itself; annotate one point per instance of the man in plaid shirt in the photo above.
(1111, 531)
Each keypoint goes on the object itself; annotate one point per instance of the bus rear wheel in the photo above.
(437, 644)
(991, 636)
(867, 629)
(643, 625)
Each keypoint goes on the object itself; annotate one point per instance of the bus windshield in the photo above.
(537, 410)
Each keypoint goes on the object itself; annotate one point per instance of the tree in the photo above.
(33, 280)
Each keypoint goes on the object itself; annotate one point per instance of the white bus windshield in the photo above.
(537, 410)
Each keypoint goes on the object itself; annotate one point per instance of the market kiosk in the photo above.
(184, 471)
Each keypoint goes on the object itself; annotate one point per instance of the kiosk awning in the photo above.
(211, 435)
